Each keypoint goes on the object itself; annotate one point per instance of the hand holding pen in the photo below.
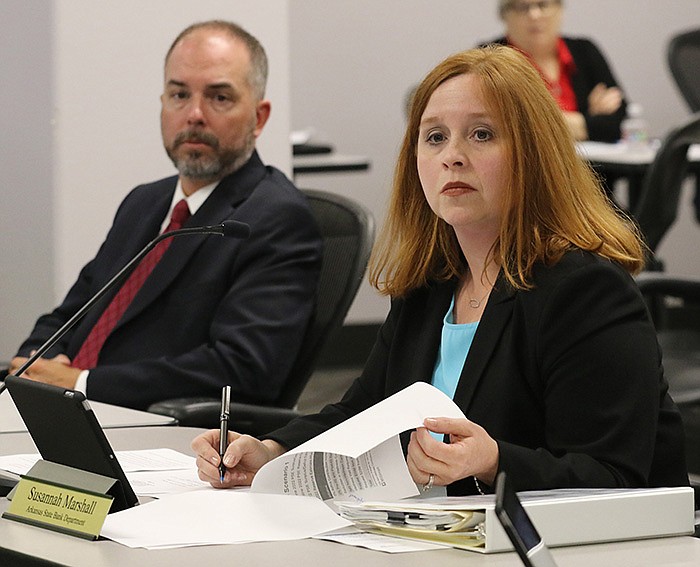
(223, 428)
(246, 454)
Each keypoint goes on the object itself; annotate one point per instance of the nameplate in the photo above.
(73, 508)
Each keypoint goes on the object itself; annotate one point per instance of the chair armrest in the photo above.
(667, 284)
(244, 418)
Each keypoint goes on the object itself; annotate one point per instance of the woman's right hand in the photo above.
(243, 458)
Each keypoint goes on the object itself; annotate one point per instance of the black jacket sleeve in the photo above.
(591, 69)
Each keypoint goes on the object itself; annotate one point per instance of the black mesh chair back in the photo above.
(684, 62)
(657, 208)
(347, 230)
(674, 304)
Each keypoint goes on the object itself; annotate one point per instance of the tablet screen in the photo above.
(519, 527)
(66, 431)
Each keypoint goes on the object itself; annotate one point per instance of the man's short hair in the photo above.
(258, 58)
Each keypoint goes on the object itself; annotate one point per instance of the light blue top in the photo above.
(454, 346)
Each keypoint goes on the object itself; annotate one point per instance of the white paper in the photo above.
(155, 460)
(221, 517)
(159, 483)
(359, 458)
(404, 410)
(151, 472)
(378, 542)
(19, 464)
(130, 461)
(301, 136)
(376, 473)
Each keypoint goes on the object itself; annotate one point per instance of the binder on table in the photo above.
(562, 517)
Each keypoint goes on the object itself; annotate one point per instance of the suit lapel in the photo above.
(496, 316)
(427, 336)
(148, 227)
(219, 206)
(134, 237)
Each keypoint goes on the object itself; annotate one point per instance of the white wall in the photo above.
(79, 108)
(26, 283)
(108, 79)
(353, 62)
(86, 80)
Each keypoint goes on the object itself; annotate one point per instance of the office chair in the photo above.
(347, 230)
(684, 61)
(657, 207)
(674, 304)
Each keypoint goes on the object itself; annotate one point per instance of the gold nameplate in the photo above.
(58, 507)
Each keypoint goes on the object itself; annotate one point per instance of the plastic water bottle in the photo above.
(635, 131)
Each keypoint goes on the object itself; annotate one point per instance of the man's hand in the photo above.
(56, 371)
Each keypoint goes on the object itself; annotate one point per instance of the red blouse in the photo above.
(562, 90)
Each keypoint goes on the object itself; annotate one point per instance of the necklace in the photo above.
(476, 303)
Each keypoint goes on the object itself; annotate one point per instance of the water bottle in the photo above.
(635, 131)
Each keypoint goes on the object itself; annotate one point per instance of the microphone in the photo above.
(229, 228)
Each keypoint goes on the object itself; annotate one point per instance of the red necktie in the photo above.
(90, 350)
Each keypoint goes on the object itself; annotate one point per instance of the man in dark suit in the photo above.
(212, 311)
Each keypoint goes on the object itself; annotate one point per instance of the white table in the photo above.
(621, 154)
(108, 415)
(630, 162)
(32, 545)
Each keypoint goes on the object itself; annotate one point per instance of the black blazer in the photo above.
(591, 69)
(566, 377)
(215, 310)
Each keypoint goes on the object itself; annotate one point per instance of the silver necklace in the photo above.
(476, 303)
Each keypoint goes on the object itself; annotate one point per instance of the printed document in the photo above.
(360, 458)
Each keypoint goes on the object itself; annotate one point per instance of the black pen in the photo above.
(223, 428)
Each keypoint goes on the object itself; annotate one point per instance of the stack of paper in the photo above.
(562, 517)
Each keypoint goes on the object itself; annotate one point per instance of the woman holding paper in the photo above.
(509, 272)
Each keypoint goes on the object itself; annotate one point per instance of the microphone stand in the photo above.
(227, 228)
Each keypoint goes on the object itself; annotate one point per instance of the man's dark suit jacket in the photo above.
(215, 310)
(591, 69)
(566, 377)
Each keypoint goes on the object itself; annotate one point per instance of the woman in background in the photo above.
(576, 73)
(509, 273)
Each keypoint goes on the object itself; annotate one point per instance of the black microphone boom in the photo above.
(235, 229)
(230, 228)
